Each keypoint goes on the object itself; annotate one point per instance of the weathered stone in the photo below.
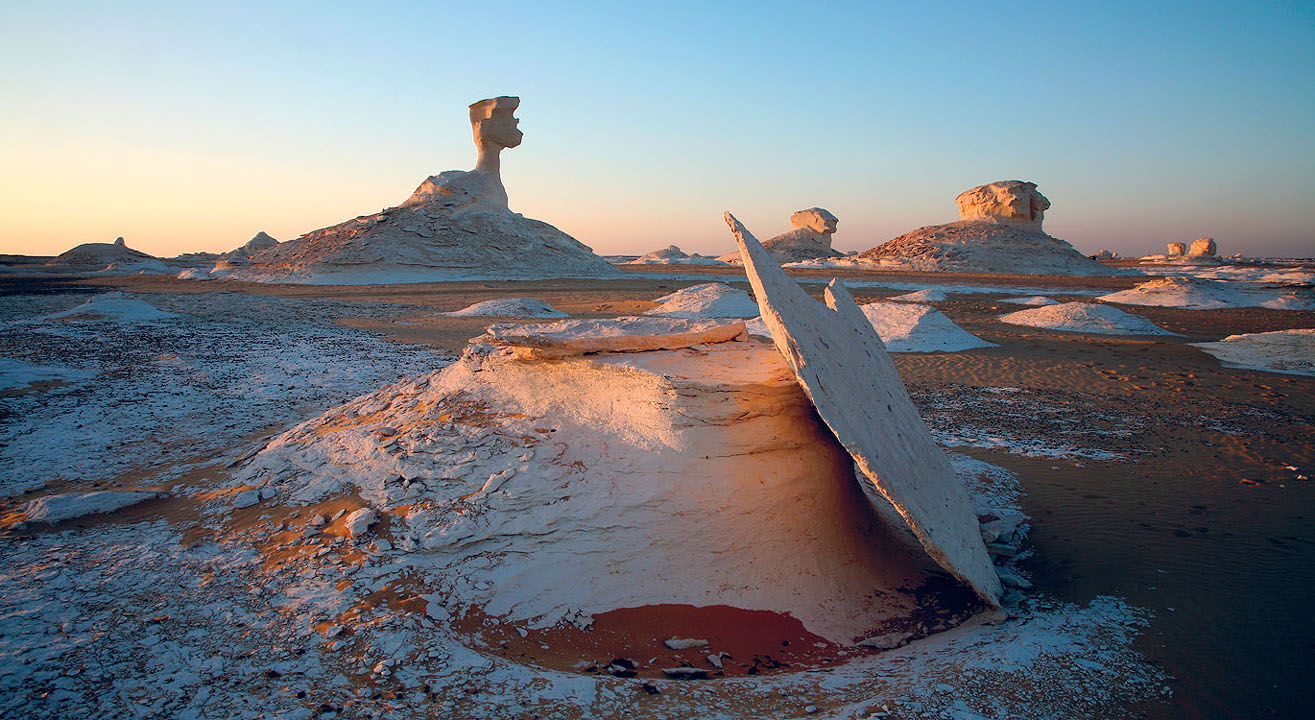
(579, 337)
(843, 366)
(1203, 247)
(1176, 249)
(809, 239)
(1011, 202)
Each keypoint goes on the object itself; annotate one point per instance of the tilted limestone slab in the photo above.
(632, 334)
(843, 366)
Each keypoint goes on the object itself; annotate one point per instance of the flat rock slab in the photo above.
(632, 334)
(844, 368)
(57, 508)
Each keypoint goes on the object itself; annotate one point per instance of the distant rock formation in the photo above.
(455, 225)
(1176, 249)
(999, 232)
(1009, 202)
(672, 255)
(809, 240)
(99, 255)
(259, 243)
(1203, 247)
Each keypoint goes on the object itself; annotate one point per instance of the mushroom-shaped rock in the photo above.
(1011, 202)
(809, 239)
(844, 368)
(999, 232)
(456, 224)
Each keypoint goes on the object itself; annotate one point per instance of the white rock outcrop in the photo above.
(843, 366)
(809, 239)
(1092, 318)
(97, 256)
(1203, 247)
(709, 300)
(1176, 249)
(673, 255)
(909, 327)
(523, 307)
(999, 232)
(261, 242)
(456, 225)
(609, 476)
(67, 506)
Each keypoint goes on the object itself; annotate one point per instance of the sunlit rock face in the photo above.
(99, 255)
(1176, 249)
(1203, 247)
(563, 470)
(1011, 202)
(1000, 232)
(261, 242)
(809, 239)
(457, 224)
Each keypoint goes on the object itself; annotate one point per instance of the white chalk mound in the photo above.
(98, 256)
(999, 231)
(259, 243)
(521, 307)
(906, 327)
(1033, 300)
(843, 367)
(612, 476)
(710, 300)
(1199, 294)
(456, 225)
(57, 508)
(114, 306)
(672, 255)
(16, 373)
(922, 296)
(1085, 318)
(1290, 352)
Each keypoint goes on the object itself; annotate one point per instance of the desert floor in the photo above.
(1152, 474)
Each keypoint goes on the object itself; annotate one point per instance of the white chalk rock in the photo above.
(908, 327)
(456, 225)
(1282, 351)
(115, 306)
(360, 521)
(1176, 249)
(1084, 317)
(261, 242)
(99, 255)
(1011, 202)
(66, 506)
(809, 239)
(844, 368)
(578, 337)
(710, 300)
(1203, 247)
(522, 307)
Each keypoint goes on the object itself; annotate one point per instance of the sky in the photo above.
(187, 126)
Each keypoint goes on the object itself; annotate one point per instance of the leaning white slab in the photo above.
(625, 334)
(843, 367)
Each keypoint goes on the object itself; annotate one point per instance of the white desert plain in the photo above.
(446, 461)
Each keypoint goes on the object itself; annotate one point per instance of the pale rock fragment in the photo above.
(246, 499)
(846, 372)
(580, 337)
(66, 506)
(676, 643)
(360, 521)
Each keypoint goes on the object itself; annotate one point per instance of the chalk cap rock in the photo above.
(1203, 247)
(1009, 202)
(1177, 249)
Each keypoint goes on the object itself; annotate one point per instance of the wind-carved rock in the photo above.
(809, 239)
(1203, 247)
(1009, 202)
(999, 231)
(1176, 249)
(456, 225)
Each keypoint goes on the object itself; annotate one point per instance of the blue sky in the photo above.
(187, 126)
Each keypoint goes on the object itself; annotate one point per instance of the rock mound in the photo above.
(672, 255)
(1200, 294)
(906, 327)
(639, 464)
(1085, 318)
(809, 240)
(1284, 351)
(524, 307)
(456, 225)
(257, 244)
(999, 231)
(98, 256)
(710, 300)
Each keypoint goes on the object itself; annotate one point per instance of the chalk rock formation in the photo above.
(99, 255)
(672, 255)
(1176, 249)
(999, 232)
(1203, 247)
(643, 462)
(710, 300)
(844, 368)
(259, 243)
(1084, 317)
(809, 240)
(456, 225)
(523, 307)
(1009, 202)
